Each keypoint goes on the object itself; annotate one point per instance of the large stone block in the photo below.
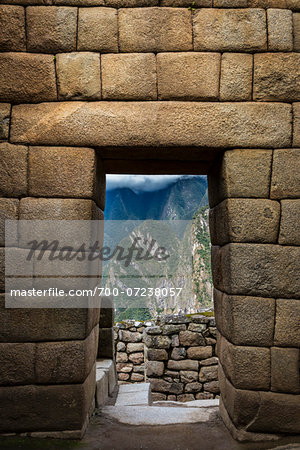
(186, 364)
(51, 29)
(230, 30)
(9, 210)
(245, 320)
(296, 23)
(232, 175)
(13, 171)
(287, 326)
(285, 370)
(236, 77)
(155, 29)
(4, 120)
(189, 76)
(296, 136)
(285, 174)
(12, 25)
(264, 412)
(106, 343)
(130, 3)
(106, 312)
(98, 30)
(200, 353)
(78, 76)
(67, 361)
(244, 220)
(290, 223)
(245, 367)
(154, 124)
(191, 339)
(26, 77)
(17, 364)
(46, 408)
(276, 77)
(257, 270)
(280, 30)
(38, 325)
(57, 171)
(129, 76)
(56, 209)
(79, 2)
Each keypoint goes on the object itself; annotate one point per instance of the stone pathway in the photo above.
(134, 407)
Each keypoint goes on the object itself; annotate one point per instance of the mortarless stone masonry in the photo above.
(142, 86)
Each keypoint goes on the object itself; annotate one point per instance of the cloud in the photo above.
(146, 183)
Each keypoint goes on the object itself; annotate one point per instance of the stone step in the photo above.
(192, 404)
(105, 380)
(138, 394)
(150, 415)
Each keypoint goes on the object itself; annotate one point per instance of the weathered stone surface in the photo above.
(193, 387)
(296, 137)
(97, 30)
(106, 312)
(245, 367)
(209, 361)
(230, 30)
(129, 336)
(78, 76)
(209, 373)
(285, 174)
(285, 370)
(80, 2)
(230, 3)
(130, 3)
(187, 364)
(172, 329)
(136, 358)
(232, 175)
(56, 209)
(276, 77)
(280, 30)
(245, 320)
(51, 30)
(185, 398)
(9, 210)
(17, 364)
(158, 385)
(132, 347)
(137, 377)
(188, 376)
(121, 347)
(153, 330)
(157, 354)
(157, 397)
(155, 29)
(13, 172)
(187, 3)
(37, 325)
(123, 376)
(106, 343)
(287, 326)
(189, 76)
(178, 353)
(296, 23)
(205, 395)
(199, 352)
(212, 387)
(129, 76)
(157, 341)
(121, 357)
(153, 123)
(56, 171)
(236, 77)
(26, 77)
(124, 367)
(65, 362)
(47, 408)
(189, 338)
(12, 25)
(155, 368)
(290, 223)
(244, 220)
(197, 327)
(257, 270)
(4, 120)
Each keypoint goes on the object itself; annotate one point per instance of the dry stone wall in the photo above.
(176, 354)
(89, 86)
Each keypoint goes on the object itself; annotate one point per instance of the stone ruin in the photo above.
(89, 87)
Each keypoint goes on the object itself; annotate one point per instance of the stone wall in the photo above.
(176, 354)
(89, 87)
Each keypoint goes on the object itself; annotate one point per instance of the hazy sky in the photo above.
(142, 182)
